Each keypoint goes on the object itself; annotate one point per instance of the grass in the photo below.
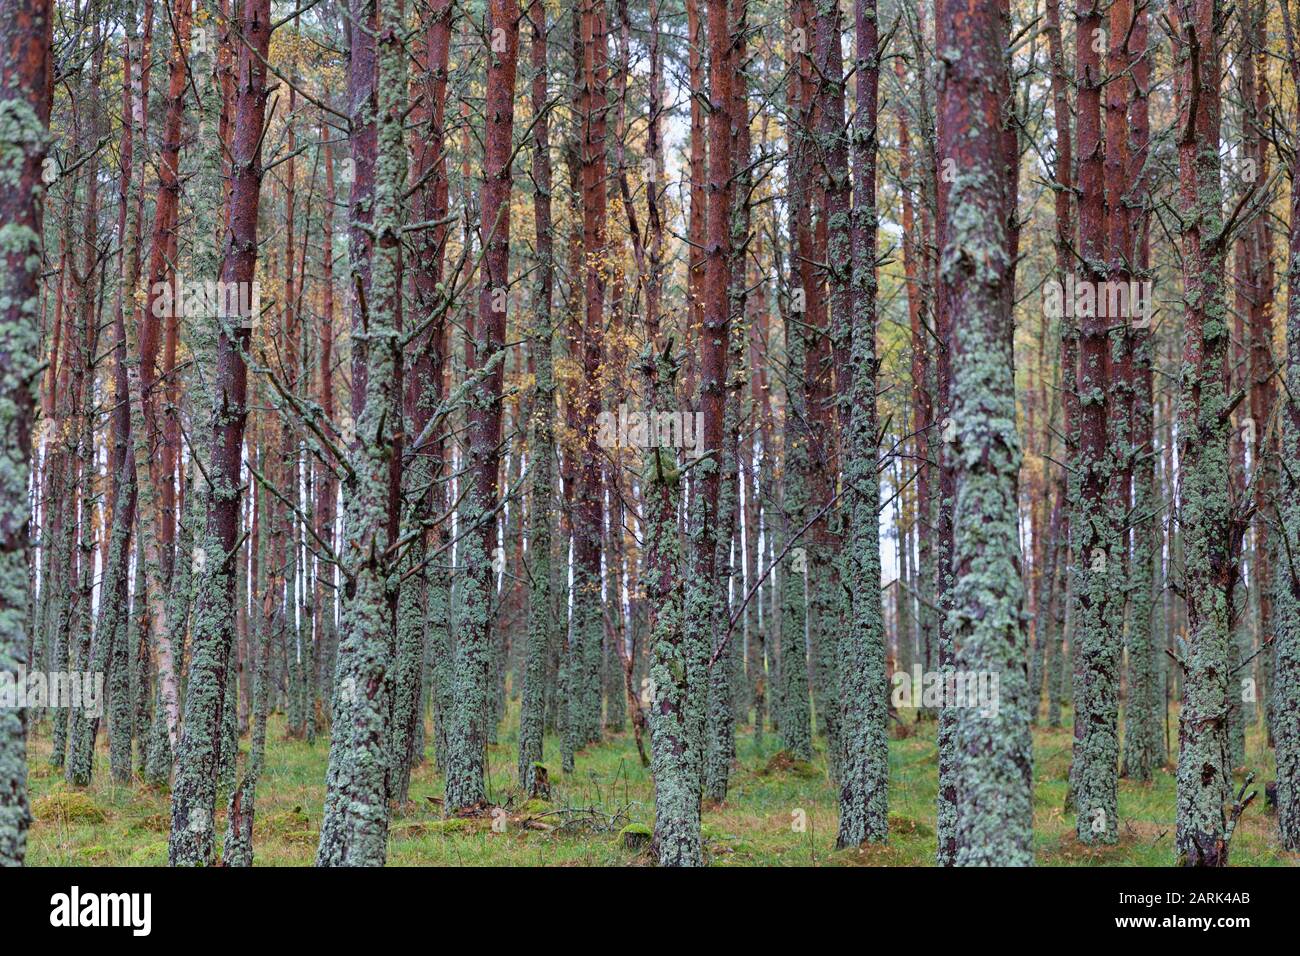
(778, 812)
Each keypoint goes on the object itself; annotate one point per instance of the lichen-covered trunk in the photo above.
(686, 610)
(237, 849)
(994, 749)
(1284, 698)
(467, 733)
(354, 825)
(795, 718)
(541, 427)
(860, 658)
(720, 748)
(1144, 742)
(1203, 434)
(155, 505)
(326, 483)
(109, 656)
(83, 725)
(216, 553)
(677, 678)
(946, 798)
(1093, 773)
(416, 620)
(705, 599)
(1122, 331)
(586, 630)
(829, 344)
(24, 91)
(1063, 588)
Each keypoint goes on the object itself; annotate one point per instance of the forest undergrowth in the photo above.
(779, 812)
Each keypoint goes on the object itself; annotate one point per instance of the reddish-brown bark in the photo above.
(1262, 365)
(199, 755)
(585, 670)
(25, 64)
(465, 784)
(158, 333)
(713, 340)
(326, 483)
(696, 224)
(917, 317)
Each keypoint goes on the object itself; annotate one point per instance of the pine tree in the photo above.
(1285, 690)
(472, 622)
(1203, 427)
(199, 753)
(354, 828)
(541, 425)
(24, 105)
(796, 502)
(1144, 745)
(1098, 550)
(994, 748)
(864, 769)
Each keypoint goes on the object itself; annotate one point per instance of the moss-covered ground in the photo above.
(778, 813)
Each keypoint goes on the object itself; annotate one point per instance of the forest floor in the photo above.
(610, 799)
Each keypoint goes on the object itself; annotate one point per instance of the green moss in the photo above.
(755, 824)
(287, 821)
(153, 823)
(65, 806)
(153, 853)
(900, 826)
(783, 763)
(635, 836)
(456, 825)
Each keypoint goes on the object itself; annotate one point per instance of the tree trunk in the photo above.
(1203, 430)
(541, 427)
(864, 771)
(467, 735)
(199, 751)
(25, 72)
(994, 799)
